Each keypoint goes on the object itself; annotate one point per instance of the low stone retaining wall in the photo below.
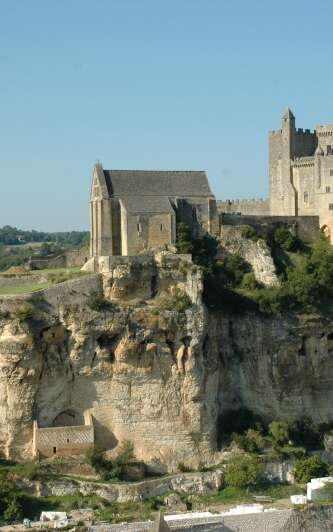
(12, 281)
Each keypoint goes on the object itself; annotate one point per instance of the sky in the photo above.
(150, 84)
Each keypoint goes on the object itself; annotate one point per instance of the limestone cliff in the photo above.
(148, 374)
(138, 368)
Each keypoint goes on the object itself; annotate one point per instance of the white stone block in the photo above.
(298, 499)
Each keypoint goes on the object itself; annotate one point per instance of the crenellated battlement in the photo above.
(244, 206)
(301, 131)
(243, 200)
(273, 132)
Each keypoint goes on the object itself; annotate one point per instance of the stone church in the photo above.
(132, 211)
(301, 172)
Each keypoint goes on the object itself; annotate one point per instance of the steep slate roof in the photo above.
(157, 183)
(143, 204)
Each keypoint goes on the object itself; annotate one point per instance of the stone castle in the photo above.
(301, 172)
(133, 211)
(300, 176)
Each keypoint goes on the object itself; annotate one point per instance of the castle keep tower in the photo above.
(301, 172)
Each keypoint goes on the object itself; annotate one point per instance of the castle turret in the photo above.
(283, 200)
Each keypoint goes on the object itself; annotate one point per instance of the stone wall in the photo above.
(76, 257)
(146, 231)
(67, 259)
(11, 280)
(244, 206)
(62, 441)
(309, 519)
(306, 227)
(58, 261)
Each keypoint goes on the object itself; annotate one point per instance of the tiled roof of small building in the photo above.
(147, 204)
(157, 183)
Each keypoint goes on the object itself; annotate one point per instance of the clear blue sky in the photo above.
(166, 84)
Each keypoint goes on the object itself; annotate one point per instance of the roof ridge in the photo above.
(138, 170)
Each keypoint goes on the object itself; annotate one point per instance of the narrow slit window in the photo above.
(162, 228)
(138, 226)
(330, 206)
(331, 172)
(328, 189)
(306, 197)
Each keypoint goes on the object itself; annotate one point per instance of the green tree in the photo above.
(10, 501)
(279, 431)
(251, 441)
(183, 238)
(249, 281)
(284, 238)
(309, 467)
(243, 471)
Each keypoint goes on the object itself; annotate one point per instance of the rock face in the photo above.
(255, 252)
(281, 368)
(191, 483)
(157, 377)
(138, 369)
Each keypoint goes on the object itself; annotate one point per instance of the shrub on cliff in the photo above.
(97, 302)
(243, 471)
(252, 441)
(23, 313)
(279, 432)
(283, 237)
(249, 281)
(174, 299)
(309, 467)
(249, 232)
(111, 469)
(183, 239)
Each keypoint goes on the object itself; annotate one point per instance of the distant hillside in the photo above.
(17, 246)
(12, 236)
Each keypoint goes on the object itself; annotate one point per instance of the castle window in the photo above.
(306, 197)
(331, 172)
(328, 189)
(54, 450)
(138, 226)
(162, 228)
(330, 207)
(329, 150)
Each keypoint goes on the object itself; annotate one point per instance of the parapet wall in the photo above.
(306, 227)
(244, 206)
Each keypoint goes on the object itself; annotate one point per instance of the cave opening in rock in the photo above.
(68, 418)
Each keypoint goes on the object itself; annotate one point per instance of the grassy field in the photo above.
(74, 269)
(53, 275)
(23, 289)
